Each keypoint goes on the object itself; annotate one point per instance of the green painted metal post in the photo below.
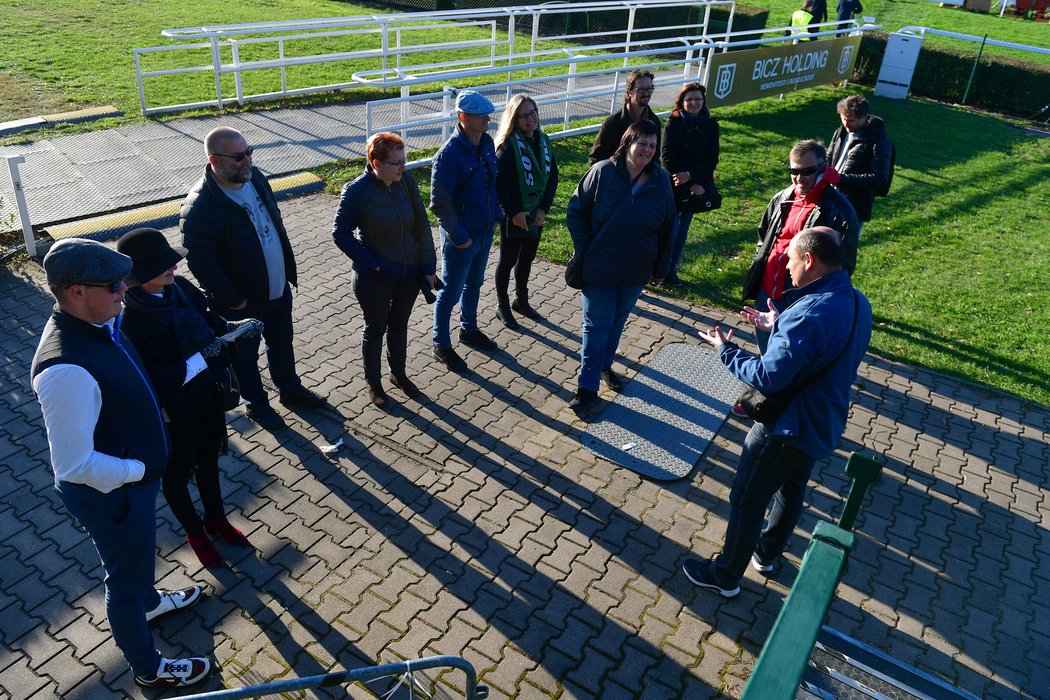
(865, 472)
(973, 71)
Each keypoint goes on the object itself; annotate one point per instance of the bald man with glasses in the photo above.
(240, 253)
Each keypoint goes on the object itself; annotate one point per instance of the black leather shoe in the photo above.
(450, 358)
(478, 341)
(301, 398)
(584, 398)
(523, 308)
(611, 380)
(264, 416)
(503, 313)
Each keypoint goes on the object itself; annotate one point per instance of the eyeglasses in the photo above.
(644, 91)
(111, 287)
(805, 171)
(396, 163)
(238, 157)
(528, 115)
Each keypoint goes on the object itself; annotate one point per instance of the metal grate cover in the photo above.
(667, 414)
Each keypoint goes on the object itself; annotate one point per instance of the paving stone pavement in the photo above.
(474, 523)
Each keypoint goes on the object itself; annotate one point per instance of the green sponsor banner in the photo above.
(740, 76)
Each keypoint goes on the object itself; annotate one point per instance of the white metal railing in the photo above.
(392, 30)
(923, 31)
(697, 49)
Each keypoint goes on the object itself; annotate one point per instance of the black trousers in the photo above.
(515, 253)
(386, 302)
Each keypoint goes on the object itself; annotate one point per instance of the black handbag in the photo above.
(229, 389)
(687, 202)
(764, 408)
(574, 270)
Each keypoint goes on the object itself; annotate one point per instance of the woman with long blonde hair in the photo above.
(526, 181)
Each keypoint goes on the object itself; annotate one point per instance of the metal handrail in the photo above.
(923, 31)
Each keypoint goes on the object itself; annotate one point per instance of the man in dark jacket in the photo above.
(808, 202)
(463, 197)
(819, 339)
(240, 253)
(860, 155)
(635, 106)
(109, 448)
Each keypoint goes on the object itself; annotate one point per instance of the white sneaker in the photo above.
(170, 601)
(761, 566)
(177, 673)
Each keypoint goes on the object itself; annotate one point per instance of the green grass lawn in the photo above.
(953, 261)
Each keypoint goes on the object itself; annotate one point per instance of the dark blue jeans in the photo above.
(123, 528)
(386, 303)
(681, 233)
(605, 312)
(463, 272)
(769, 469)
(276, 315)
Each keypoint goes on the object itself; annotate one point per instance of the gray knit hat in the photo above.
(83, 261)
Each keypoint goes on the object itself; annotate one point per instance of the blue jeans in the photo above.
(123, 528)
(605, 312)
(681, 233)
(276, 315)
(463, 272)
(769, 469)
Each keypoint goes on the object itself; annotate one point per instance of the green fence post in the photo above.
(865, 472)
(973, 71)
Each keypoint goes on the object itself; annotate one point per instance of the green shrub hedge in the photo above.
(1006, 85)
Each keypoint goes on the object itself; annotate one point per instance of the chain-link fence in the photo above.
(967, 75)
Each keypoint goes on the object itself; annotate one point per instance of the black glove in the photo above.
(212, 349)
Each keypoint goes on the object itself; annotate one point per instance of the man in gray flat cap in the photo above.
(109, 448)
(463, 197)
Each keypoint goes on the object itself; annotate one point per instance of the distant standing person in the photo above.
(845, 11)
(621, 219)
(240, 253)
(820, 14)
(109, 448)
(820, 335)
(168, 320)
(463, 197)
(689, 153)
(382, 226)
(860, 155)
(636, 98)
(801, 19)
(526, 182)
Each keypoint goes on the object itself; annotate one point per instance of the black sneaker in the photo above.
(177, 673)
(699, 572)
(763, 567)
(264, 416)
(672, 280)
(302, 398)
(611, 380)
(584, 398)
(451, 359)
(478, 341)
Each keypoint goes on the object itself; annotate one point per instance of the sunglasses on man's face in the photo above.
(238, 157)
(805, 171)
(111, 287)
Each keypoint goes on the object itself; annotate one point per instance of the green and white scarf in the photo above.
(532, 181)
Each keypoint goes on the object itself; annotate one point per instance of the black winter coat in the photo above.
(225, 254)
(612, 131)
(867, 165)
(691, 145)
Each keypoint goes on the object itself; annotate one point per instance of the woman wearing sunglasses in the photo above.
(526, 182)
(167, 319)
(689, 152)
(383, 228)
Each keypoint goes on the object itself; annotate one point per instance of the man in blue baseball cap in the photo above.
(463, 197)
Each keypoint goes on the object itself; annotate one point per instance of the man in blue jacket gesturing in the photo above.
(463, 197)
(815, 347)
